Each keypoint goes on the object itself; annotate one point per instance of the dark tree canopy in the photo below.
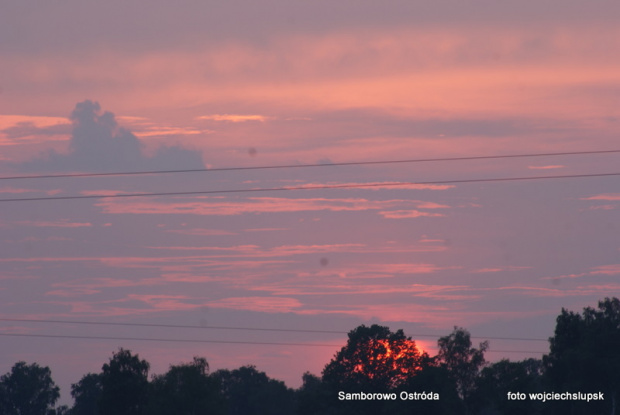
(497, 379)
(124, 385)
(250, 392)
(585, 356)
(462, 361)
(86, 395)
(28, 390)
(186, 389)
(375, 358)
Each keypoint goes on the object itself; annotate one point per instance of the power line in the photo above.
(292, 166)
(61, 336)
(99, 323)
(317, 187)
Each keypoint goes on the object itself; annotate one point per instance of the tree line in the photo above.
(378, 371)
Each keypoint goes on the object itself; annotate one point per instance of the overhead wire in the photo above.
(99, 323)
(311, 187)
(292, 166)
(83, 337)
(316, 187)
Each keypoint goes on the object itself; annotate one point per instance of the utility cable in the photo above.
(312, 187)
(82, 337)
(286, 330)
(293, 166)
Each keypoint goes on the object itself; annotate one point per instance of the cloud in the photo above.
(402, 214)
(217, 206)
(28, 129)
(558, 166)
(98, 143)
(63, 223)
(201, 232)
(234, 117)
(605, 196)
(262, 304)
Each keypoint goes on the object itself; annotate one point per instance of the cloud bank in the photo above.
(99, 144)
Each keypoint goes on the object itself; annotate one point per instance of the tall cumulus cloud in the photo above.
(99, 144)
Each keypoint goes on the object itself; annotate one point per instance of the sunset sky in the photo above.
(122, 86)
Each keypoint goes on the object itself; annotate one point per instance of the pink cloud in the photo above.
(7, 121)
(604, 196)
(431, 316)
(402, 214)
(499, 269)
(75, 292)
(602, 207)
(382, 186)
(555, 166)
(613, 269)
(265, 229)
(164, 302)
(99, 283)
(63, 223)
(325, 284)
(217, 206)
(234, 117)
(8, 189)
(103, 192)
(261, 304)
(284, 250)
(202, 232)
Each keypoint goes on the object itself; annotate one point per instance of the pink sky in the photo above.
(272, 83)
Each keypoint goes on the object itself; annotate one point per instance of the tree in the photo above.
(376, 359)
(313, 397)
(250, 392)
(28, 390)
(585, 357)
(462, 361)
(124, 385)
(86, 395)
(497, 379)
(186, 389)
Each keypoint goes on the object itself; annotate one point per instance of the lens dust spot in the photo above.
(324, 262)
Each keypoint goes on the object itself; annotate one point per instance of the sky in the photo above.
(131, 86)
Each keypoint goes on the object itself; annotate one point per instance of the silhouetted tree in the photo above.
(124, 385)
(497, 379)
(585, 357)
(86, 395)
(462, 361)
(186, 389)
(314, 397)
(433, 378)
(28, 390)
(376, 359)
(250, 392)
(61, 410)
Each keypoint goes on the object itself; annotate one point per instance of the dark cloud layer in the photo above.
(99, 144)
